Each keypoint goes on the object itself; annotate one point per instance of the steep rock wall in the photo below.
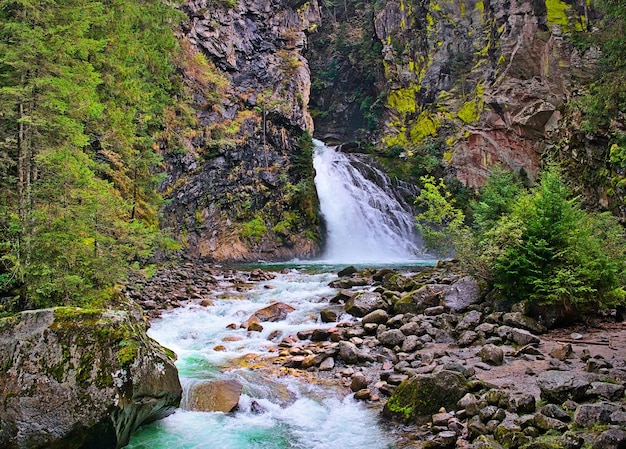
(243, 188)
(482, 82)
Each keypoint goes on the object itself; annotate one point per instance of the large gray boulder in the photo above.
(363, 303)
(81, 378)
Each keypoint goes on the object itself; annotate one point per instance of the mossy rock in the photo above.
(417, 398)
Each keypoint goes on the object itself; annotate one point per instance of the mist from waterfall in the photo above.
(365, 220)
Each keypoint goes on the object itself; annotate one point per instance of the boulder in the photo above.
(613, 438)
(589, 414)
(391, 338)
(427, 296)
(378, 316)
(363, 303)
(492, 354)
(348, 352)
(559, 386)
(424, 394)
(274, 312)
(215, 396)
(462, 294)
(72, 378)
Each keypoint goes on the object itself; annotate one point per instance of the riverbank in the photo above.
(381, 335)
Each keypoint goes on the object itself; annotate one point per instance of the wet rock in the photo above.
(358, 382)
(328, 316)
(215, 396)
(424, 394)
(491, 354)
(348, 271)
(348, 352)
(328, 364)
(378, 316)
(363, 395)
(274, 312)
(363, 303)
(559, 386)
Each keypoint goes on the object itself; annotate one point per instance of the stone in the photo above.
(348, 271)
(378, 316)
(469, 321)
(466, 339)
(358, 382)
(522, 403)
(363, 303)
(562, 352)
(423, 395)
(328, 316)
(327, 364)
(613, 438)
(462, 294)
(546, 423)
(391, 338)
(274, 312)
(72, 377)
(559, 386)
(486, 442)
(508, 433)
(363, 395)
(348, 352)
(417, 301)
(518, 320)
(522, 337)
(610, 391)
(443, 440)
(571, 440)
(553, 411)
(491, 354)
(411, 343)
(589, 414)
(215, 396)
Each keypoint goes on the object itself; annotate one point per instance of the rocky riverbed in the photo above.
(445, 366)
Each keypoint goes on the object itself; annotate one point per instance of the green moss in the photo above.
(254, 229)
(402, 101)
(557, 12)
(469, 112)
(128, 352)
(426, 125)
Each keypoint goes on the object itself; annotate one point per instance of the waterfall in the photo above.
(365, 220)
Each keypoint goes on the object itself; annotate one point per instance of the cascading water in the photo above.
(275, 412)
(365, 221)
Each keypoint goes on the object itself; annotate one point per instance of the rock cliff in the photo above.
(243, 188)
(81, 378)
(474, 83)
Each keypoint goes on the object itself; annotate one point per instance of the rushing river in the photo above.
(366, 222)
(275, 411)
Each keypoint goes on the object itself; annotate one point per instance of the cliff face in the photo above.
(483, 82)
(243, 189)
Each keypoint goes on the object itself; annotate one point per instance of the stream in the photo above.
(367, 223)
(294, 413)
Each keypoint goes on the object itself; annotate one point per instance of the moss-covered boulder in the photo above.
(422, 395)
(81, 378)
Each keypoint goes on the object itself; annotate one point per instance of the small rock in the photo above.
(363, 395)
(348, 352)
(491, 354)
(612, 392)
(562, 352)
(328, 316)
(358, 382)
(611, 439)
(328, 364)
(377, 316)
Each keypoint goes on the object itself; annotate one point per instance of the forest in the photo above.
(88, 94)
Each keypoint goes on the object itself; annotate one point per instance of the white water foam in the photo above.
(365, 222)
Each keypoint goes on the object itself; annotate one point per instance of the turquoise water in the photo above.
(274, 412)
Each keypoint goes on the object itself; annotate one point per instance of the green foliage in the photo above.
(83, 89)
(254, 229)
(548, 250)
(440, 222)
